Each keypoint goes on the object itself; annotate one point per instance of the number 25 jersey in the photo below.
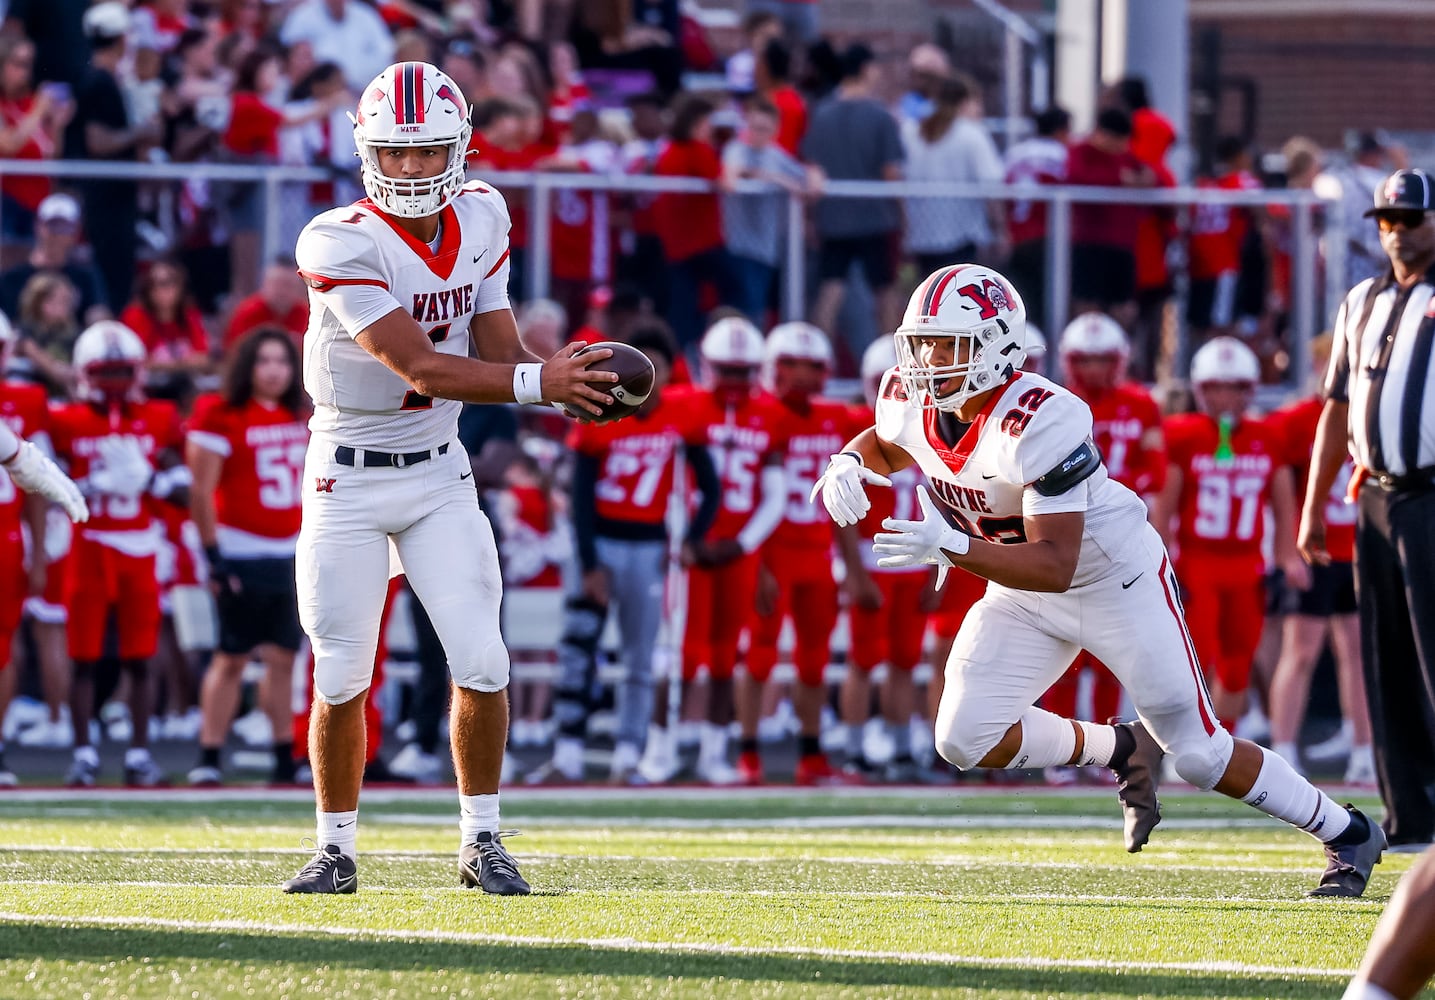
(360, 266)
(1026, 430)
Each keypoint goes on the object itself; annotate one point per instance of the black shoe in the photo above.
(486, 864)
(1136, 780)
(328, 871)
(1348, 867)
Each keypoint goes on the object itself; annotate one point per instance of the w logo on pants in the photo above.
(322, 485)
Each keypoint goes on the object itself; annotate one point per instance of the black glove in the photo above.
(221, 572)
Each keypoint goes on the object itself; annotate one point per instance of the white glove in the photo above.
(123, 469)
(915, 543)
(842, 491)
(33, 472)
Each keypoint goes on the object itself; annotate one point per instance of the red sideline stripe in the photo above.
(1190, 649)
(494, 269)
(419, 92)
(323, 284)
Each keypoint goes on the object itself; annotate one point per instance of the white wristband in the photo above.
(528, 383)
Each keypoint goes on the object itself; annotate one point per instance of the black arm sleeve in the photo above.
(709, 488)
(1072, 469)
(582, 494)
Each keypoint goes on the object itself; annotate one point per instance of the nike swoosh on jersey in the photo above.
(1128, 583)
(466, 475)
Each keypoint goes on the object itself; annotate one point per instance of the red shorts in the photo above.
(99, 580)
(1225, 605)
(808, 594)
(893, 633)
(14, 588)
(959, 593)
(720, 606)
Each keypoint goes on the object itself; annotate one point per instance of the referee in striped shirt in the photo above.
(1378, 405)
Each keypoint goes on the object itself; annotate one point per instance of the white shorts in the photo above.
(443, 541)
(1013, 645)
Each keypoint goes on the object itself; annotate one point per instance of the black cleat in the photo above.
(487, 865)
(1136, 781)
(1348, 867)
(328, 871)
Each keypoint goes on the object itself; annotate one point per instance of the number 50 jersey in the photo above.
(360, 266)
(1030, 430)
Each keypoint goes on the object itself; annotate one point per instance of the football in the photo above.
(635, 379)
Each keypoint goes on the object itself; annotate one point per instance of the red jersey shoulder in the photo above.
(28, 402)
(210, 413)
(1184, 432)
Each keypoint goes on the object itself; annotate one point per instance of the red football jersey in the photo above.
(1223, 502)
(1120, 419)
(78, 428)
(1217, 231)
(1297, 423)
(635, 474)
(812, 439)
(24, 410)
(742, 438)
(262, 480)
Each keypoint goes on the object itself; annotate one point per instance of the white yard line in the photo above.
(662, 947)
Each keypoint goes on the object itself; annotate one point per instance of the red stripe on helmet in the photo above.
(399, 95)
(934, 294)
(419, 92)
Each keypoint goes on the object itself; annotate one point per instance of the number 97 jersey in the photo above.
(1028, 452)
(258, 496)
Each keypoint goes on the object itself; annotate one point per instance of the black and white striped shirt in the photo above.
(1380, 363)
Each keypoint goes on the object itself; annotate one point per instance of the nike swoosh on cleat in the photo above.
(341, 884)
(1128, 583)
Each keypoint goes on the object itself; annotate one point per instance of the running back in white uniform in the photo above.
(986, 481)
(360, 266)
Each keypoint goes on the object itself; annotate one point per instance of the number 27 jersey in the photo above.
(985, 481)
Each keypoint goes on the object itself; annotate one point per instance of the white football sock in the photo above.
(1280, 792)
(1047, 740)
(1099, 745)
(340, 829)
(476, 814)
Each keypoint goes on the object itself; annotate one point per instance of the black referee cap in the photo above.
(1404, 190)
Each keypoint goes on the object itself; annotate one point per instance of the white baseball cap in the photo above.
(108, 20)
(59, 208)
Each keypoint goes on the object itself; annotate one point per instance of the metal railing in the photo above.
(1307, 313)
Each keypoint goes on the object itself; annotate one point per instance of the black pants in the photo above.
(1395, 588)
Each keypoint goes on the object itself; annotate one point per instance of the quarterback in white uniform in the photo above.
(400, 286)
(1022, 498)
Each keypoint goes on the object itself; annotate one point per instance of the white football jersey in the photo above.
(1026, 430)
(360, 266)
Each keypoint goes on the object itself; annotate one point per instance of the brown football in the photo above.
(635, 378)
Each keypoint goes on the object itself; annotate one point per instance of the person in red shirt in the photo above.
(797, 559)
(1127, 430)
(747, 438)
(1103, 260)
(281, 301)
(623, 479)
(245, 449)
(123, 451)
(511, 134)
(1040, 159)
(1218, 234)
(773, 79)
(581, 234)
(32, 123)
(169, 325)
(690, 225)
(1225, 468)
(1326, 607)
(887, 609)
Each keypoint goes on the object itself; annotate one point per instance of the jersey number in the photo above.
(738, 470)
(1028, 402)
(1002, 530)
(1228, 507)
(418, 401)
(622, 467)
(280, 468)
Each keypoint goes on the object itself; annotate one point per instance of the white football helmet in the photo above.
(984, 316)
(732, 342)
(794, 339)
(879, 358)
(1225, 359)
(109, 358)
(412, 104)
(1094, 333)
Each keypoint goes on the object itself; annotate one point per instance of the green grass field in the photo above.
(842, 893)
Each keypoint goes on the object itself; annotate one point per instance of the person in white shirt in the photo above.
(347, 32)
(402, 286)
